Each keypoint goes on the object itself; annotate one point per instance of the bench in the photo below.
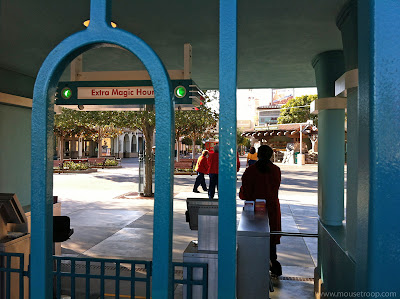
(96, 162)
(184, 164)
(57, 164)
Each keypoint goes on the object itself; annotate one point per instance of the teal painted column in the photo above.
(346, 21)
(328, 67)
(227, 150)
(378, 239)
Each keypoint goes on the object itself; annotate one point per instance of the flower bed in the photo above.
(184, 171)
(110, 162)
(70, 165)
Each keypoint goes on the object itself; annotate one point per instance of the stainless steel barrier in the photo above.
(253, 236)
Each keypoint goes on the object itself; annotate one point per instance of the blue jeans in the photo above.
(251, 162)
(213, 184)
(200, 180)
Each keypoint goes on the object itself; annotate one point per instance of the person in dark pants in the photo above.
(261, 181)
(213, 172)
(251, 156)
(202, 169)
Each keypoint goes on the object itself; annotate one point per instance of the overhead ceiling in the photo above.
(276, 38)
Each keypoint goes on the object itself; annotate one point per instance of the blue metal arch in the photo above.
(99, 33)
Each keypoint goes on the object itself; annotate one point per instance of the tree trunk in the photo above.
(61, 148)
(148, 132)
(177, 148)
(99, 144)
(193, 148)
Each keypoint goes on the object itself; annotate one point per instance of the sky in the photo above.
(249, 99)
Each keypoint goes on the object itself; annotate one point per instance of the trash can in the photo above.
(301, 159)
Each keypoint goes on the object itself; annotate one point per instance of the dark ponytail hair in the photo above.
(264, 158)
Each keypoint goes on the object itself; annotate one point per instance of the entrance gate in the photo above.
(98, 33)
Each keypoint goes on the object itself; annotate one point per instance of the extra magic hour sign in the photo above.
(130, 92)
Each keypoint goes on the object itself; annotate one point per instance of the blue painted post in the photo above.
(42, 187)
(378, 258)
(99, 32)
(227, 150)
(162, 285)
(329, 66)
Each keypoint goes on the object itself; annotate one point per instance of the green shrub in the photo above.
(75, 166)
(110, 162)
(184, 170)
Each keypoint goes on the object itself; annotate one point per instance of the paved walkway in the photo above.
(110, 220)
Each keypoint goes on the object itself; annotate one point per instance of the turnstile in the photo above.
(253, 237)
(202, 215)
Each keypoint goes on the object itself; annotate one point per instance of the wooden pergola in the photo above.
(264, 134)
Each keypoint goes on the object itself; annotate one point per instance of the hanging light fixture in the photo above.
(87, 22)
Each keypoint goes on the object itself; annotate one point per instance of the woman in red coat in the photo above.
(261, 181)
(202, 169)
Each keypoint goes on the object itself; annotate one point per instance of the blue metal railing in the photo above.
(100, 270)
(11, 270)
(85, 277)
(190, 281)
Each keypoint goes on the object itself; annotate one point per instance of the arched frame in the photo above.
(98, 34)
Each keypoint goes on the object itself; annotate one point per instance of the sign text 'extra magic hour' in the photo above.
(115, 92)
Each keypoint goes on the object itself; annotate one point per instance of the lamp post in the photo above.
(301, 158)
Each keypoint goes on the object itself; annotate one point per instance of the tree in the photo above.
(241, 140)
(200, 123)
(145, 121)
(100, 124)
(195, 124)
(95, 125)
(181, 127)
(103, 122)
(70, 123)
(297, 110)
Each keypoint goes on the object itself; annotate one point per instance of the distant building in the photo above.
(268, 115)
(245, 125)
(127, 144)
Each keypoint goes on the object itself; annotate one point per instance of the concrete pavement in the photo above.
(111, 220)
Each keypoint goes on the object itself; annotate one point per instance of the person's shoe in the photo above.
(275, 268)
(205, 190)
(196, 191)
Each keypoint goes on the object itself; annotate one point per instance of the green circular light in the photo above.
(180, 91)
(66, 93)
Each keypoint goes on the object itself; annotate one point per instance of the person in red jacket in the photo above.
(202, 169)
(213, 172)
(261, 181)
(237, 162)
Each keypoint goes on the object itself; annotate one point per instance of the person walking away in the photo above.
(202, 169)
(261, 181)
(251, 156)
(213, 172)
